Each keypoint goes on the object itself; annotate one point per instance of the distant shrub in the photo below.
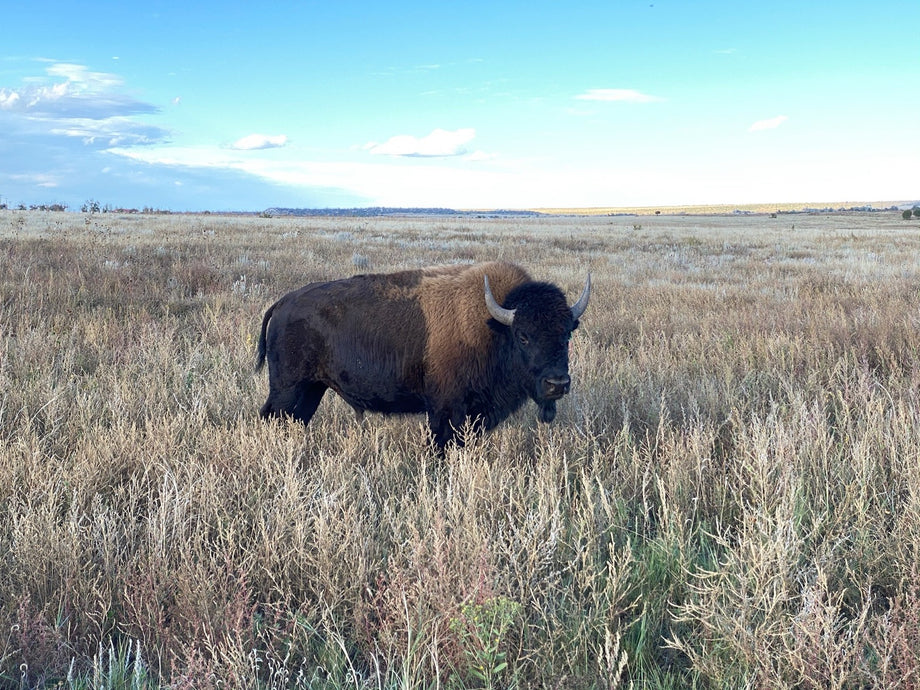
(916, 211)
(906, 214)
(360, 261)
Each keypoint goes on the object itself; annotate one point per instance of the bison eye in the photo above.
(523, 338)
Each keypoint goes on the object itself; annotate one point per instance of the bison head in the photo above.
(539, 323)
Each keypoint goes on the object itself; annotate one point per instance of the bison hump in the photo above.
(453, 305)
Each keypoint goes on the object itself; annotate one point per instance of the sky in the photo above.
(193, 106)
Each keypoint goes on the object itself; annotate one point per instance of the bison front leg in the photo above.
(441, 430)
(451, 425)
(445, 426)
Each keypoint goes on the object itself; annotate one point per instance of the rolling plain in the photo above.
(728, 498)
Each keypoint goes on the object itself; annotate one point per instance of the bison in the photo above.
(459, 343)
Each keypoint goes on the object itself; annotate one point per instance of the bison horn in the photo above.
(579, 307)
(498, 312)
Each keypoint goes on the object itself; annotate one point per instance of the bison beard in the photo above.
(459, 343)
(547, 412)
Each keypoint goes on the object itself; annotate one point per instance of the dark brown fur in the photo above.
(416, 341)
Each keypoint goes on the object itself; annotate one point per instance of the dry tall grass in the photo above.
(729, 498)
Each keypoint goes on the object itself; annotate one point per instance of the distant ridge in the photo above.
(697, 210)
(377, 211)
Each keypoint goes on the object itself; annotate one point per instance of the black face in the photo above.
(544, 360)
(539, 336)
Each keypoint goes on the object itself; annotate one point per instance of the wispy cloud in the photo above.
(440, 143)
(619, 95)
(771, 123)
(114, 131)
(255, 142)
(83, 79)
(36, 179)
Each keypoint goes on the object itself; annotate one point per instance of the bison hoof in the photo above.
(547, 412)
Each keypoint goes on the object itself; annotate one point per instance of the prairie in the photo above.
(729, 497)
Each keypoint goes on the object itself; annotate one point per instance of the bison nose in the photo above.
(556, 386)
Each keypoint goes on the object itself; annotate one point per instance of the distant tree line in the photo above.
(37, 207)
(92, 206)
(908, 212)
(88, 206)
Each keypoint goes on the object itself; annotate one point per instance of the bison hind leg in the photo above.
(299, 402)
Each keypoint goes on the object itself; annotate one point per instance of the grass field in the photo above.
(729, 498)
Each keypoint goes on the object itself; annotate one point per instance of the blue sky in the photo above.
(217, 106)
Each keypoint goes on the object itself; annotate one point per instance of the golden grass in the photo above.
(730, 497)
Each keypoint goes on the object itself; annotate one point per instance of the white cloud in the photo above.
(255, 142)
(620, 95)
(73, 92)
(772, 123)
(439, 143)
(8, 99)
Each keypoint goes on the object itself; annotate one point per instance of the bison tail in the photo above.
(260, 354)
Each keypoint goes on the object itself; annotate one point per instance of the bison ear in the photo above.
(575, 325)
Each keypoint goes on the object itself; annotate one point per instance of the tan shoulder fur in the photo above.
(452, 299)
